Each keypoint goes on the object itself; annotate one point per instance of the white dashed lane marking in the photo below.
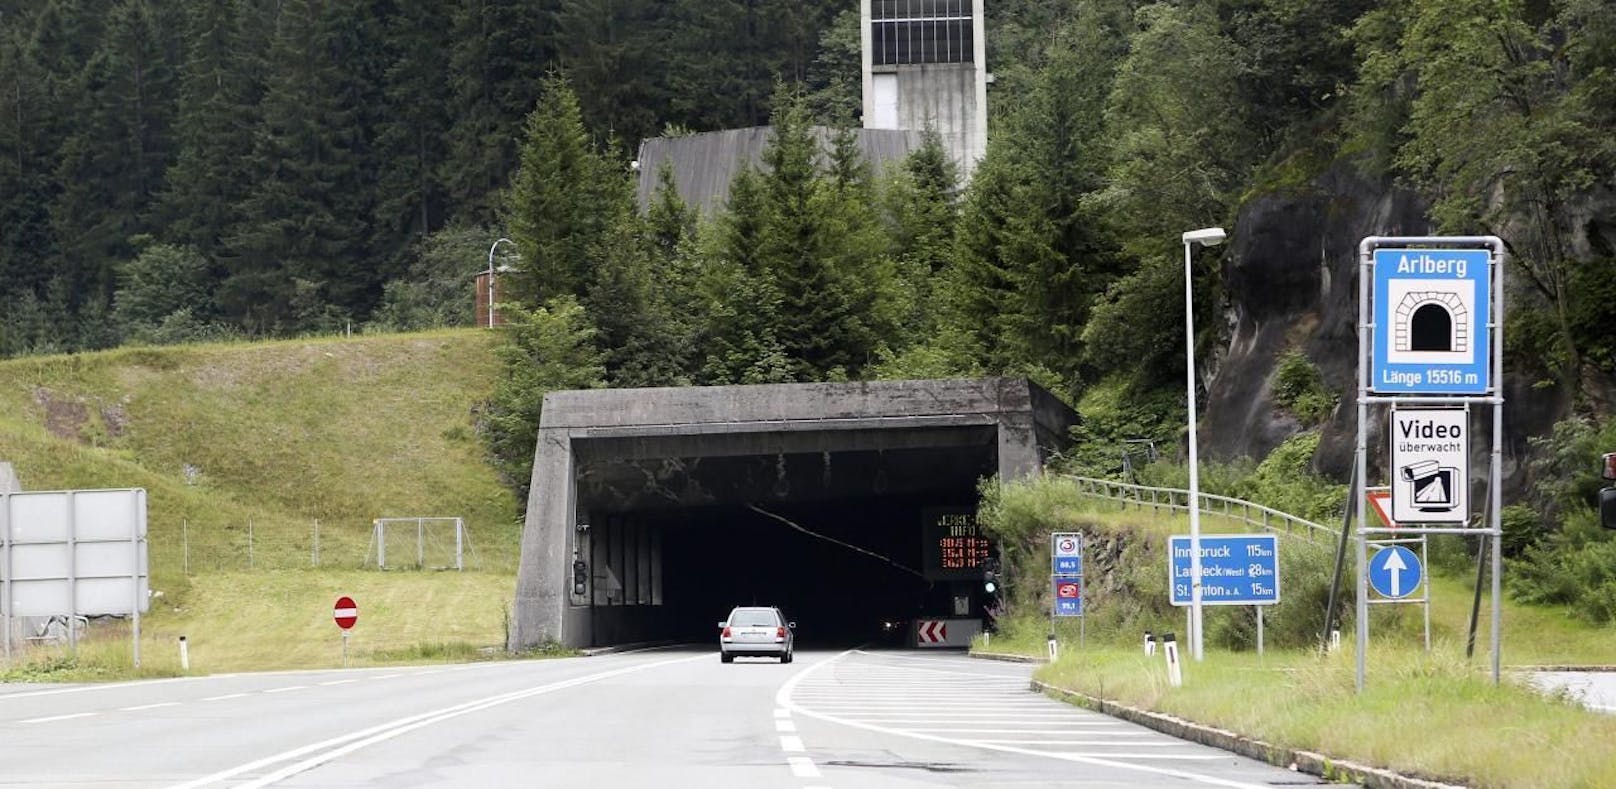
(60, 717)
(149, 706)
(953, 702)
(803, 767)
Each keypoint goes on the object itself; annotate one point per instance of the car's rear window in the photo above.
(752, 617)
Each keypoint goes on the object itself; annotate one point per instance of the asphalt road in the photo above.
(1595, 690)
(665, 718)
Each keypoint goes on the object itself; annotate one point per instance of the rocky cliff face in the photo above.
(1291, 278)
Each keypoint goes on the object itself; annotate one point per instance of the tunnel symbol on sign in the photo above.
(1432, 321)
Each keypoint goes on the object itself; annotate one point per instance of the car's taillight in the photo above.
(779, 632)
(726, 631)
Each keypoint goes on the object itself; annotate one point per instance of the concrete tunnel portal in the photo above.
(654, 511)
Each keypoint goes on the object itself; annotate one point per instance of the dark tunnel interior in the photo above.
(834, 539)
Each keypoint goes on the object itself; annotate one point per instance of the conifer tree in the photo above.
(737, 296)
(921, 204)
(300, 234)
(111, 165)
(209, 178)
(549, 348)
(27, 151)
(500, 52)
(50, 47)
(563, 199)
(639, 341)
(673, 222)
(412, 145)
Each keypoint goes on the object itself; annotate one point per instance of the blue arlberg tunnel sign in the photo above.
(1431, 313)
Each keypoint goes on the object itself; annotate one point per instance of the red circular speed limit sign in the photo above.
(346, 612)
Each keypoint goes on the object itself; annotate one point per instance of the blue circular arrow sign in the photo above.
(1395, 572)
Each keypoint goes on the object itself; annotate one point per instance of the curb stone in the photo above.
(1309, 762)
(1005, 657)
(617, 648)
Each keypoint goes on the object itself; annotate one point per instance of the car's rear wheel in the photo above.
(726, 657)
(786, 658)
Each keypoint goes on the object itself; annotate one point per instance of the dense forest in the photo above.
(175, 170)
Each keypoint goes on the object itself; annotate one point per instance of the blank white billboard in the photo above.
(74, 552)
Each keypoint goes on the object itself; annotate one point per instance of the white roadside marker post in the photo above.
(1175, 673)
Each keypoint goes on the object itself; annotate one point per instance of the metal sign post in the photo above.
(1430, 345)
(1396, 573)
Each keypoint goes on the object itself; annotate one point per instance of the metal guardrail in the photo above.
(1177, 499)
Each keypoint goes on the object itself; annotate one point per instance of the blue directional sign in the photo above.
(1432, 308)
(1066, 553)
(1395, 572)
(1236, 569)
(1068, 596)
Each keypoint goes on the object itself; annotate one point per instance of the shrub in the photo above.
(1300, 389)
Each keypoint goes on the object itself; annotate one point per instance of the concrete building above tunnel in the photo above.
(653, 511)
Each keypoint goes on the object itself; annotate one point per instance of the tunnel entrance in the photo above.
(837, 540)
(849, 506)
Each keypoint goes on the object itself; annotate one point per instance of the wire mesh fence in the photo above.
(204, 545)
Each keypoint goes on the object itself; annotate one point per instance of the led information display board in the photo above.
(953, 547)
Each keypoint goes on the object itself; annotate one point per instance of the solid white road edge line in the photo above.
(783, 698)
(394, 728)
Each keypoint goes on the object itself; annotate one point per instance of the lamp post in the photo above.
(490, 273)
(1207, 237)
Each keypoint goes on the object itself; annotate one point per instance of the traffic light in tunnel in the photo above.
(991, 581)
(580, 577)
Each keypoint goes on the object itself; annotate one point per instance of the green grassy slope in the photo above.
(246, 450)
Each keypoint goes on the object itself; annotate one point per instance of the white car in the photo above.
(756, 631)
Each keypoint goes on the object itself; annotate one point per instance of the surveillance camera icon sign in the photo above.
(1430, 485)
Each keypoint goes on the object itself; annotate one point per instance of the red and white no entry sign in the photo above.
(346, 612)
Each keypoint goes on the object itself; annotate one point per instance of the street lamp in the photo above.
(1206, 237)
(490, 273)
